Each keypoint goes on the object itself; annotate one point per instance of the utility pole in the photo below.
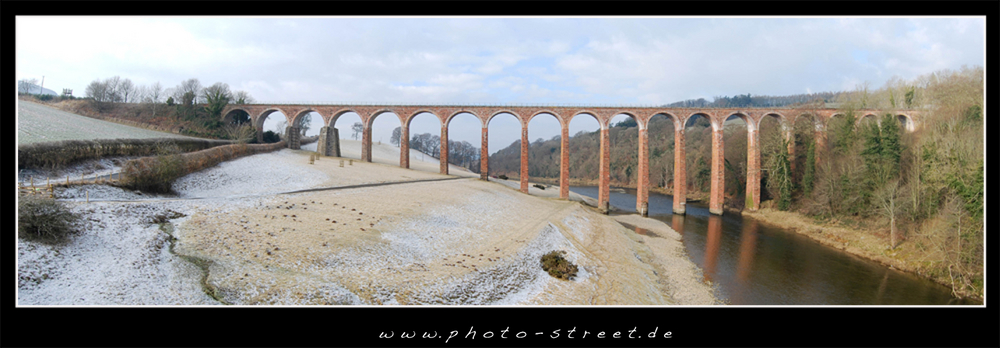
(40, 86)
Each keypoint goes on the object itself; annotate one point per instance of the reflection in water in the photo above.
(677, 223)
(712, 245)
(748, 247)
(756, 264)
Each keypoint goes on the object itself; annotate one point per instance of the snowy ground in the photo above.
(40, 123)
(456, 242)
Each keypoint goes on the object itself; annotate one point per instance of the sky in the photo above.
(639, 61)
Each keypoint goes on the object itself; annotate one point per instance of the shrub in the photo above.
(558, 266)
(539, 186)
(44, 219)
(271, 137)
(503, 177)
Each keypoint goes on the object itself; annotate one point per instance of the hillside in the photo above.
(40, 123)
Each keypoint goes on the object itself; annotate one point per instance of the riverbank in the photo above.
(868, 244)
(408, 241)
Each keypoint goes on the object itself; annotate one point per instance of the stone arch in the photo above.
(817, 121)
(258, 121)
(868, 117)
(692, 117)
(452, 116)
(906, 122)
(783, 121)
(229, 116)
(588, 113)
(409, 118)
(299, 115)
(673, 118)
(660, 160)
(335, 116)
(370, 120)
(549, 112)
(493, 114)
(636, 118)
(737, 155)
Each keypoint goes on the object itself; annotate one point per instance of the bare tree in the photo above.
(241, 133)
(396, 134)
(112, 92)
(126, 90)
(242, 97)
(304, 123)
(99, 95)
(152, 96)
(188, 86)
(357, 129)
(280, 128)
(886, 197)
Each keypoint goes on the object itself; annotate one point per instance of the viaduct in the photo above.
(329, 142)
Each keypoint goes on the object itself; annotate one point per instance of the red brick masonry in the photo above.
(679, 116)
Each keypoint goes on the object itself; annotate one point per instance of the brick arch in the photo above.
(783, 121)
(864, 116)
(636, 118)
(747, 120)
(817, 120)
(413, 114)
(259, 119)
(909, 123)
(493, 114)
(687, 119)
(559, 118)
(673, 118)
(301, 114)
(229, 111)
(452, 116)
(370, 120)
(585, 112)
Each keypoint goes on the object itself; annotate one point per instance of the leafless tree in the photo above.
(396, 134)
(190, 85)
(25, 86)
(242, 97)
(126, 90)
(357, 129)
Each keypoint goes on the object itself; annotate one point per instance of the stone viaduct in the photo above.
(329, 142)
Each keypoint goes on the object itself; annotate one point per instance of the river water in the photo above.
(750, 263)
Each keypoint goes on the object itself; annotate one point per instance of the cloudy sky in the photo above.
(495, 60)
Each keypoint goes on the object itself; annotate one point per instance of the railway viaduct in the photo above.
(329, 142)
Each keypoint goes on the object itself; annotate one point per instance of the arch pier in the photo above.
(329, 140)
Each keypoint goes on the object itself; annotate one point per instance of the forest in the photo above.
(921, 189)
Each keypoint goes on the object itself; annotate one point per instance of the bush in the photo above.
(271, 137)
(44, 220)
(558, 266)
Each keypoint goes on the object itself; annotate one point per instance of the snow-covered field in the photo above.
(236, 235)
(39, 123)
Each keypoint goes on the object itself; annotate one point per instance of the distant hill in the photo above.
(34, 90)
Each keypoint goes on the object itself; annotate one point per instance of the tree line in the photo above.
(198, 109)
(460, 153)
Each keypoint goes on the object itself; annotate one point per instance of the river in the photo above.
(750, 263)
